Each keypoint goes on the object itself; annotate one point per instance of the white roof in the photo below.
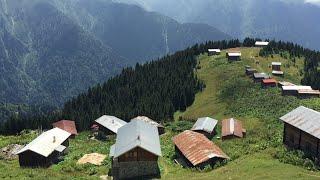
(137, 134)
(277, 72)
(148, 120)
(284, 83)
(305, 119)
(206, 124)
(234, 53)
(214, 50)
(60, 148)
(111, 122)
(296, 88)
(261, 43)
(47, 142)
(276, 63)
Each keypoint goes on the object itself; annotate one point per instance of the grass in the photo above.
(228, 93)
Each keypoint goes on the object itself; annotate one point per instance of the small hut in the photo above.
(109, 125)
(250, 71)
(68, 126)
(301, 130)
(205, 126)
(265, 83)
(45, 150)
(136, 151)
(212, 52)
(234, 56)
(195, 150)
(294, 90)
(276, 68)
(160, 127)
(258, 77)
(232, 128)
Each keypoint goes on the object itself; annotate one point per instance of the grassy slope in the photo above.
(251, 158)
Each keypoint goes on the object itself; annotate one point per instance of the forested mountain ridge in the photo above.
(51, 51)
(288, 20)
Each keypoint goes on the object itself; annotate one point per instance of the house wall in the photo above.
(297, 139)
(233, 58)
(32, 159)
(208, 135)
(289, 93)
(268, 85)
(276, 68)
(135, 163)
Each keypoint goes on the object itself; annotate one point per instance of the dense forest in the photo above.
(311, 62)
(156, 89)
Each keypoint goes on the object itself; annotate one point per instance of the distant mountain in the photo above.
(289, 20)
(51, 50)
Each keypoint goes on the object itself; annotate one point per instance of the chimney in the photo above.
(54, 139)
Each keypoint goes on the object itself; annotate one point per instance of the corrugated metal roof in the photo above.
(232, 127)
(305, 119)
(269, 81)
(197, 148)
(206, 124)
(148, 120)
(261, 43)
(296, 88)
(261, 75)
(111, 122)
(66, 125)
(214, 50)
(137, 134)
(276, 63)
(284, 83)
(235, 54)
(47, 142)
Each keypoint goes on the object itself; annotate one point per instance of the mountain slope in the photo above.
(295, 21)
(133, 32)
(54, 50)
(47, 57)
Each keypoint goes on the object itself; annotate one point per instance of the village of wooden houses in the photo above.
(137, 147)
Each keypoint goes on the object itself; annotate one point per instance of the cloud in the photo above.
(313, 1)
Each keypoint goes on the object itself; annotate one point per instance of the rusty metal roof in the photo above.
(232, 127)
(197, 148)
(305, 119)
(269, 81)
(66, 125)
(206, 124)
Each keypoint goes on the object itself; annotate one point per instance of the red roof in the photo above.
(197, 148)
(66, 125)
(269, 81)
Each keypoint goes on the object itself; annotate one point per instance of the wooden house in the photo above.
(205, 126)
(45, 150)
(293, 90)
(109, 125)
(212, 52)
(276, 68)
(233, 56)
(136, 151)
(301, 130)
(195, 150)
(258, 77)
(261, 43)
(68, 126)
(232, 128)
(160, 127)
(250, 71)
(265, 83)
